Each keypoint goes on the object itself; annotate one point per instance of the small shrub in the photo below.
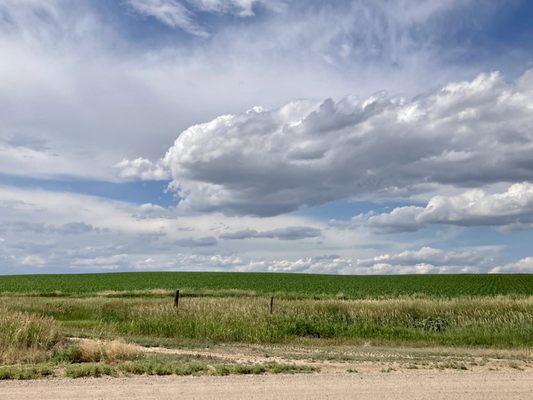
(431, 324)
(255, 369)
(304, 328)
(352, 371)
(17, 372)
(161, 367)
(96, 351)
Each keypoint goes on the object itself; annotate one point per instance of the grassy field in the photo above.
(490, 322)
(40, 315)
(283, 285)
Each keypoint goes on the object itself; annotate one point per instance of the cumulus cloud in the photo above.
(422, 261)
(288, 233)
(523, 266)
(436, 258)
(510, 209)
(261, 162)
(143, 169)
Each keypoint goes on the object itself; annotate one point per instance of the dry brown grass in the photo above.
(26, 336)
(117, 350)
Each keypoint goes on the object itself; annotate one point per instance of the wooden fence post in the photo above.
(177, 298)
(271, 305)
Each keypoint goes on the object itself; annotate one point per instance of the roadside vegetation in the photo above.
(26, 337)
(97, 331)
(500, 322)
(94, 358)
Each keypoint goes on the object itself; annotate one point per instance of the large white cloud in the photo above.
(522, 266)
(93, 83)
(466, 134)
(510, 209)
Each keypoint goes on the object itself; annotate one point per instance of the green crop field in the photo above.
(288, 285)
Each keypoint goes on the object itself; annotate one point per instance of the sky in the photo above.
(341, 137)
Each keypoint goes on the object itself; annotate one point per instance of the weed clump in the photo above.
(87, 351)
(26, 336)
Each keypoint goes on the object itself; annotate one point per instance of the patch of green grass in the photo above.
(503, 322)
(201, 365)
(159, 367)
(256, 369)
(25, 372)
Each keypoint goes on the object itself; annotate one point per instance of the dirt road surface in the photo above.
(412, 385)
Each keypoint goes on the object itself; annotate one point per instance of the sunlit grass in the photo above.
(26, 336)
(482, 321)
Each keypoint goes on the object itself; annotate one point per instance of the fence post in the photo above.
(177, 298)
(271, 305)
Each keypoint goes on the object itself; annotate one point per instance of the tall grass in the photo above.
(481, 321)
(26, 336)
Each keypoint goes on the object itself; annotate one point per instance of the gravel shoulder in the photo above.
(419, 384)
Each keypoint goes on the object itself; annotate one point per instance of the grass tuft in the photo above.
(26, 337)
(88, 350)
(25, 372)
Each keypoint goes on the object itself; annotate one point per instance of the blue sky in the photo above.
(353, 137)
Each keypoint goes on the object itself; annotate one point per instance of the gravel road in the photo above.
(412, 385)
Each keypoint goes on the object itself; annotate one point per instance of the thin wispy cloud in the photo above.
(171, 13)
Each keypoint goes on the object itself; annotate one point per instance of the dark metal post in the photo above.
(271, 305)
(177, 298)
